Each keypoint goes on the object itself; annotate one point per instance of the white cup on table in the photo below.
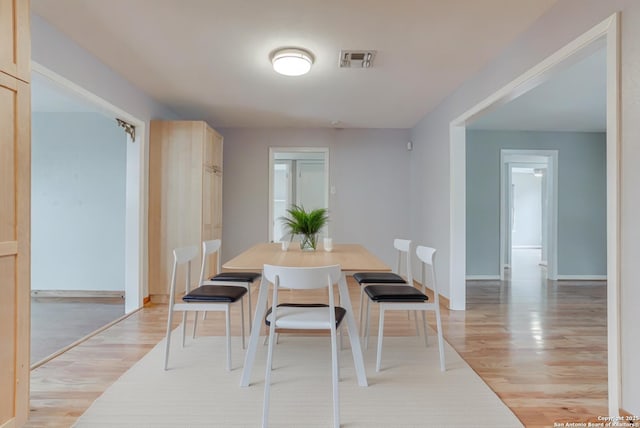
(328, 244)
(285, 245)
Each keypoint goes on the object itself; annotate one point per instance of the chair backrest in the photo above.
(208, 248)
(427, 257)
(302, 277)
(404, 251)
(181, 256)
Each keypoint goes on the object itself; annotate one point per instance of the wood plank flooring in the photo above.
(57, 322)
(541, 346)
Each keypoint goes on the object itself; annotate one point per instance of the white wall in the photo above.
(77, 202)
(369, 169)
(567, 20)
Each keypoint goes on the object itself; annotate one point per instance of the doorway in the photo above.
(604, 34)
(86, 215)
(297, 176)
(528, 213)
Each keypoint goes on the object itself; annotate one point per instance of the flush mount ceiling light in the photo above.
(292, 61)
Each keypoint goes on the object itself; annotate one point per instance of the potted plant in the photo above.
(307, 224)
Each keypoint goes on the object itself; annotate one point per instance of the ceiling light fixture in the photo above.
(292, 61)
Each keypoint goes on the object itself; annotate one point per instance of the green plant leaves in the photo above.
(302, 222)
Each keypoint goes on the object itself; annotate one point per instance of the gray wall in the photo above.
(77, 202)
(582, 198)
(369, 169)
(430, 171)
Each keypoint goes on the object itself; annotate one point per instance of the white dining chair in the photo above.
(236, 278)
(403, 252)
(321, 317)
(203, 298)
(407, 297)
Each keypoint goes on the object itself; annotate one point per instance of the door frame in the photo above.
(606, 33)
(272, 152)
(509, 158)
(135, 190)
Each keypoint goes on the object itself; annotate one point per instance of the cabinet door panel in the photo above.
(14, 250)
(15, 48)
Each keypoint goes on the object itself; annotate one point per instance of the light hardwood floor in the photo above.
(541, 346)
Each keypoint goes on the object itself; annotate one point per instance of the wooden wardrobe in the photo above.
(185, 195)
(15, 189)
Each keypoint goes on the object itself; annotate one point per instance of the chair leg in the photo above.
(335, 375)
(228, 330)
(361, 304)
(195, 323)
(415, 316)
(440, 340)
(380, 335)
(184, 326)
(267, 378)
(242, 322)
(249, 297)
(166, 349)
(424, 327)
(366, 325)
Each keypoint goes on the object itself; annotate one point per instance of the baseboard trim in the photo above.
(146, 300)
(581, 277)
(623, 412)
(483, 277)
(77, 293)
(159, 298)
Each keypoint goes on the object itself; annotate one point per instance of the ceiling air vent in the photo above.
(356, 59)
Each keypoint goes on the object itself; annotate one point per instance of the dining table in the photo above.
(350, 257)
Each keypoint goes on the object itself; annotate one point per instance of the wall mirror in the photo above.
(297, 175)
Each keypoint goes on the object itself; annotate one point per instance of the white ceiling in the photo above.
(209, 59)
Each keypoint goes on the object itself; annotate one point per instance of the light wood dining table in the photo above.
(350, 257)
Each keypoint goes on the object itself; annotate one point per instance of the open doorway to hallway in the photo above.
(85, 208)
(583, 51)
(528, 213)
(78, 199)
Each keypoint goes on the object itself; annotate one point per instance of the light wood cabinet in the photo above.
(185, 195)
(15, 44)
(15, 191)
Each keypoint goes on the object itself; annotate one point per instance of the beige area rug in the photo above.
(197, 391)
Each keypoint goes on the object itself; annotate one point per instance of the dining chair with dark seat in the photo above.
(206, 297)
(407, 297)
(303, 317)
(403, 250)
(243, 279)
